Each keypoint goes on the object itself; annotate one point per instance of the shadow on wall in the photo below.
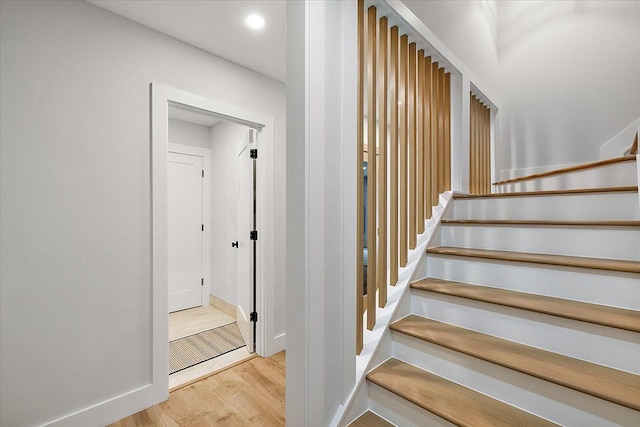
(516, 20)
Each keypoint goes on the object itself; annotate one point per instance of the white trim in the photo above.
(110, 410)
(399, 14)
(621, 143)
(161, 96)
(205, 153)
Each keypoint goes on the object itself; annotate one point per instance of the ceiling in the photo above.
(217, 26)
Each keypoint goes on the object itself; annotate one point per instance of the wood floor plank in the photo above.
(453, 402)
(592, 313)
(249, 394)
(561, 260)
(148, 418)
(541, 223)
(606, 383)
(369, 419)
(546, 192)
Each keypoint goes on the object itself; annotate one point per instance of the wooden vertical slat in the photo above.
(441, 147)
(360, 183)
(393, 158)
(476, 146)
(485, 156)
(488, 150)
(471, 143)
(447, 131)
(382, 164)
(428, 202)
(434, 134)
(420, 145)
(483, 150)
(479, 147)
(411, 123)
(479, 136)
(404, 65)
(371, 169)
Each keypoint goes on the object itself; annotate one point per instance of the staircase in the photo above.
(529, 315)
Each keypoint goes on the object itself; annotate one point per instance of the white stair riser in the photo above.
(542, 398)
(599, 242)
(580, 284)
(606, 346)
(399, 411)
(571, 207)
(614, 175)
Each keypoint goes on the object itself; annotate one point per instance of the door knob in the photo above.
(234, 244)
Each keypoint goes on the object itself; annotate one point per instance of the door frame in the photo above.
(161, 97)
(205, 153)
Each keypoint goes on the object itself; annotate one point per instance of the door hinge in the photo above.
(202, 282)
(203, 173)
(253, 235)
(202, 227)
(253, 316)
(253, 153)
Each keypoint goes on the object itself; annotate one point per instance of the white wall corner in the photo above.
(320, 209)
(619, 144)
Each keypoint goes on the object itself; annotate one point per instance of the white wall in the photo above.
(566, 72)
(225, 139)
(186, 133)
(570, 79)
(321, 209)
(75, 201)
(468, 29)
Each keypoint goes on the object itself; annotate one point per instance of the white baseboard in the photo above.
(277, 344)
(108, 411)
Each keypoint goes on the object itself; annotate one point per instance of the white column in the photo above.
(321, 182)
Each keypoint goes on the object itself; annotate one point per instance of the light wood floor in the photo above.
(188, 322)
(249, 394)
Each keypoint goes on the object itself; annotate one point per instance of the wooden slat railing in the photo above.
(479, 147)
(372, 208)
(383, 87)
(360, 182)
(404, 101)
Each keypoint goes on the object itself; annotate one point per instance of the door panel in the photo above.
(184, 182)
(245, 285)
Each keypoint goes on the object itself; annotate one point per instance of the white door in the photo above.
(184, 182)
(245, 265)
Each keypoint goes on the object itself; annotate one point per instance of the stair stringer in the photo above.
(377, 343)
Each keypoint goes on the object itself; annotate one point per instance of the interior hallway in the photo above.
(249, 394)
(195, 320)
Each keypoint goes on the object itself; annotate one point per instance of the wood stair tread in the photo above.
(540, 222)
(546, 192)
(369, 419)
(561, 260)
(606, 383)
(586, 312)
(453, 402)
(574, 168)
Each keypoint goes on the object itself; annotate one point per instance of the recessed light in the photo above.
(254, 21)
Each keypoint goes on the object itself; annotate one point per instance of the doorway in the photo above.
(245, 243)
